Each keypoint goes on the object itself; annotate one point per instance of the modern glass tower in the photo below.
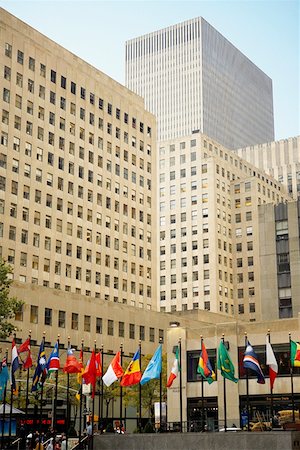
(193, 78)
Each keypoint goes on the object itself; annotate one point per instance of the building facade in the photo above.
(279, 227)
(193, 78)
(281, 159)
(209, 227)
(77, 158)
(212, 405)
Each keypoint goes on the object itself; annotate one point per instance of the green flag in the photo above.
(225, 363)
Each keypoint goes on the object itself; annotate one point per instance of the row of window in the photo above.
(73, 88)
(87, 323)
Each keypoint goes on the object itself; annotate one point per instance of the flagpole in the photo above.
(102, 387)
(55, 393)
(93, 403)
(80, 402)
(11, 394)
(202, 391)
(224, 386)
(271, 387)
(42, 392)
(180, 384)
(160, 396)
(247, 387)
(4, 403)
(140, 390)
(292, 381)
(121, 389)
(68, 396)
(27, 382)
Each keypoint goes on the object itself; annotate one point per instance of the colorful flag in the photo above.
(25, 347)
(205, 367)
(132, 374)
(14, 364)
(53, 361)
(225, 364)
(271, 362)
(113, 372)
(40, 372)
(90, 374)
(250, 361)
(4, 377)
(71, 364)
(153, 370)
(175, 369)
(98, 365)
(295, 354)
(80, 361)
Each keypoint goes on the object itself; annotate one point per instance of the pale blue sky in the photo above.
(266, 31)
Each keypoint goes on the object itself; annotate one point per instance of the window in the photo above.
(74, 322)
(34, 313)
(87, 323)
(48, 316)
(98, 325)
(31, 63)
(110, 327)
(131, 331)
(61, 319)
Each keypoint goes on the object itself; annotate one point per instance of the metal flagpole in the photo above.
(42, 392)
(102, 387)
(121, 390)
(68, 397)
(224, 386)
(27, 382)
(180, 385)
(11, 397)
(292, 381)
(140, 391)
(160, 396)
(4, 403)
(271, 388)
(247, 387)
(93, 403)
(80, 402)
(55, 394)
(202, 392)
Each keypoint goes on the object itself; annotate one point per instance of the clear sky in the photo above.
(266, 31)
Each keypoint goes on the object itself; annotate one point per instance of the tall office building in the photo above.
(193, 78)
(77, 158)
(209, 227)
(281, 159)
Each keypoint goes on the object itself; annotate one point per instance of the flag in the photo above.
(25, 347)
(4, 376)
(41, 368)
(175, 369)
(113, 372)
(53, 361)
(80, 361)
(295, 354)
(205, 367)
(14, 364)
(133, 372)
(225, 364)
(71, 364)
(153, 369)
(271, 362)
(250, 361)
(98, 365)
(90, 374)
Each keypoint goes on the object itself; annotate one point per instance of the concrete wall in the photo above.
(194, 441)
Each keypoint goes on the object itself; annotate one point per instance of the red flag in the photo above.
(90, 373)
(25, 347)
(71, 365)
(98, 365)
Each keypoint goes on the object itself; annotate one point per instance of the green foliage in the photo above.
(148, 428)
(9, 306)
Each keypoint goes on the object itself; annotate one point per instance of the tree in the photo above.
(9, 306)
(150, 390)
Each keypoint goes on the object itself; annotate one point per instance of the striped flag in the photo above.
(250, 361)
(53, 361)
(271, 362)
(14, 364)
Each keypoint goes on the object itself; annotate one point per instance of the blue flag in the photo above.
(4, 376)
(153, 369)
(41, 368)
(250, 361)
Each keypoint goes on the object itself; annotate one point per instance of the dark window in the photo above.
(53, 76)
(63, 82)
(193, 360)
(73, 87)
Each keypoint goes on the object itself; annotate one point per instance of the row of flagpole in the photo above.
(133, 374)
